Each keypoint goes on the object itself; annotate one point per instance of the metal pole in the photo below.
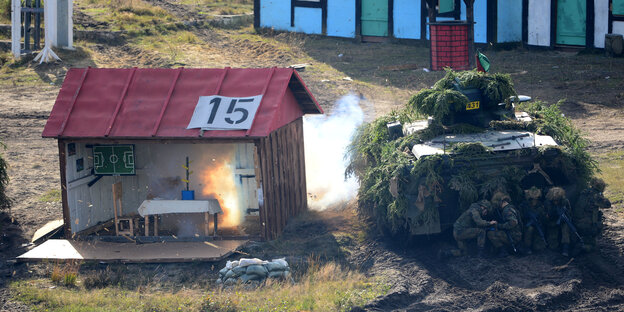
(187, 173)
(16, 28)
(37, 35)
(27, 18)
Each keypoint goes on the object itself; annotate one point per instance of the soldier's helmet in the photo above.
(533, 193)
(556, 193)
(597, 184)
(486, 203)
(498, 198)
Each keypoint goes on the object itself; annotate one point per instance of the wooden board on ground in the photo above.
(47, 230)
(63, 249)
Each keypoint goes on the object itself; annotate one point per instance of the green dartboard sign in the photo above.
(113, 159)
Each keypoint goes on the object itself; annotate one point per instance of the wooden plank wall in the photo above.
(90, 205)
(282, 167)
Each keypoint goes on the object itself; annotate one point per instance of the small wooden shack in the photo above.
(131, 128)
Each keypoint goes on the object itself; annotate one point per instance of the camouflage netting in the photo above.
(443, 99)
(392, 180)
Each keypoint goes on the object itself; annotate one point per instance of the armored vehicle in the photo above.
(418, 173)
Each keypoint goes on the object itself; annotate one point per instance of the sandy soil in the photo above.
(419, 279)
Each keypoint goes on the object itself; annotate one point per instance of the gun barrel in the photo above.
(567, 220)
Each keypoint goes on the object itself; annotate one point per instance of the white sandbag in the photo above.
(219, 281)
(281, 261)
(247, 262)
(231, 264)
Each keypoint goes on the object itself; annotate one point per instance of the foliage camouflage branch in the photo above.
(376, 160)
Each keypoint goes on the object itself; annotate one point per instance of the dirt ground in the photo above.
(592, 86)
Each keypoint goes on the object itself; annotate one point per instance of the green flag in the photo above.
(484, 62)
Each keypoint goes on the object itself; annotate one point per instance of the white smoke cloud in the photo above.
(326, 140)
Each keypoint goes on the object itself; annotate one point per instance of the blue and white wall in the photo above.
(407, 19)
(509, 21)
(539, 23)
(342, 19)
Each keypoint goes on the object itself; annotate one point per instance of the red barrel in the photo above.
(449, 45)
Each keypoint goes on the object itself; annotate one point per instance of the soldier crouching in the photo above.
(535, 217)
(558, 208)
(470, 225)
(587, 215)
(508, 231)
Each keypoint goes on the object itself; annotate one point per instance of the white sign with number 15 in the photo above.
(217, 112)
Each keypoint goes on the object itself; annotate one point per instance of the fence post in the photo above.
(16, 28)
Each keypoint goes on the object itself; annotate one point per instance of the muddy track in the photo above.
(422, 281)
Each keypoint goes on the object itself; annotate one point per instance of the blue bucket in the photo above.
(188, 195)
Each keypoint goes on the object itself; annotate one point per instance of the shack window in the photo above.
(617, 7)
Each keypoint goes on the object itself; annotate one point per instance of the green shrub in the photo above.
(550, 120)
(5, 10)
(51, 196)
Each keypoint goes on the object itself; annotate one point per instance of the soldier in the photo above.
(471, 225)
(508, 231)
(558, 209)
(535, 218)
(587, 214)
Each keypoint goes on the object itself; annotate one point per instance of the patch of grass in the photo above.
(131, 15)
(324, 287)
(228, 7)
(51, 196)
(186, 37)
(65, 273)
(611, 166)
(172, 46)
(327, 287)
(5, 11)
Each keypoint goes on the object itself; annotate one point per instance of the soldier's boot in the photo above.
(525, 250)
(502, 252)
(481, 252)
(565, 250)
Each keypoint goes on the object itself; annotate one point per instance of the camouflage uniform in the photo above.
(531, 235)
(510, 223)
(470, 225)
(556, 226)
(587, 215)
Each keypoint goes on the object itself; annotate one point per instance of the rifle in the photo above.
(563, 216)
(500, 217)
(535, 222)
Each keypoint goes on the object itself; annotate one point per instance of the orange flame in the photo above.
(218, 183)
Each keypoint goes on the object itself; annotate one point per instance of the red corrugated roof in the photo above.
(159, 103)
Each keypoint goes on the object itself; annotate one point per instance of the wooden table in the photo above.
(157, 207)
